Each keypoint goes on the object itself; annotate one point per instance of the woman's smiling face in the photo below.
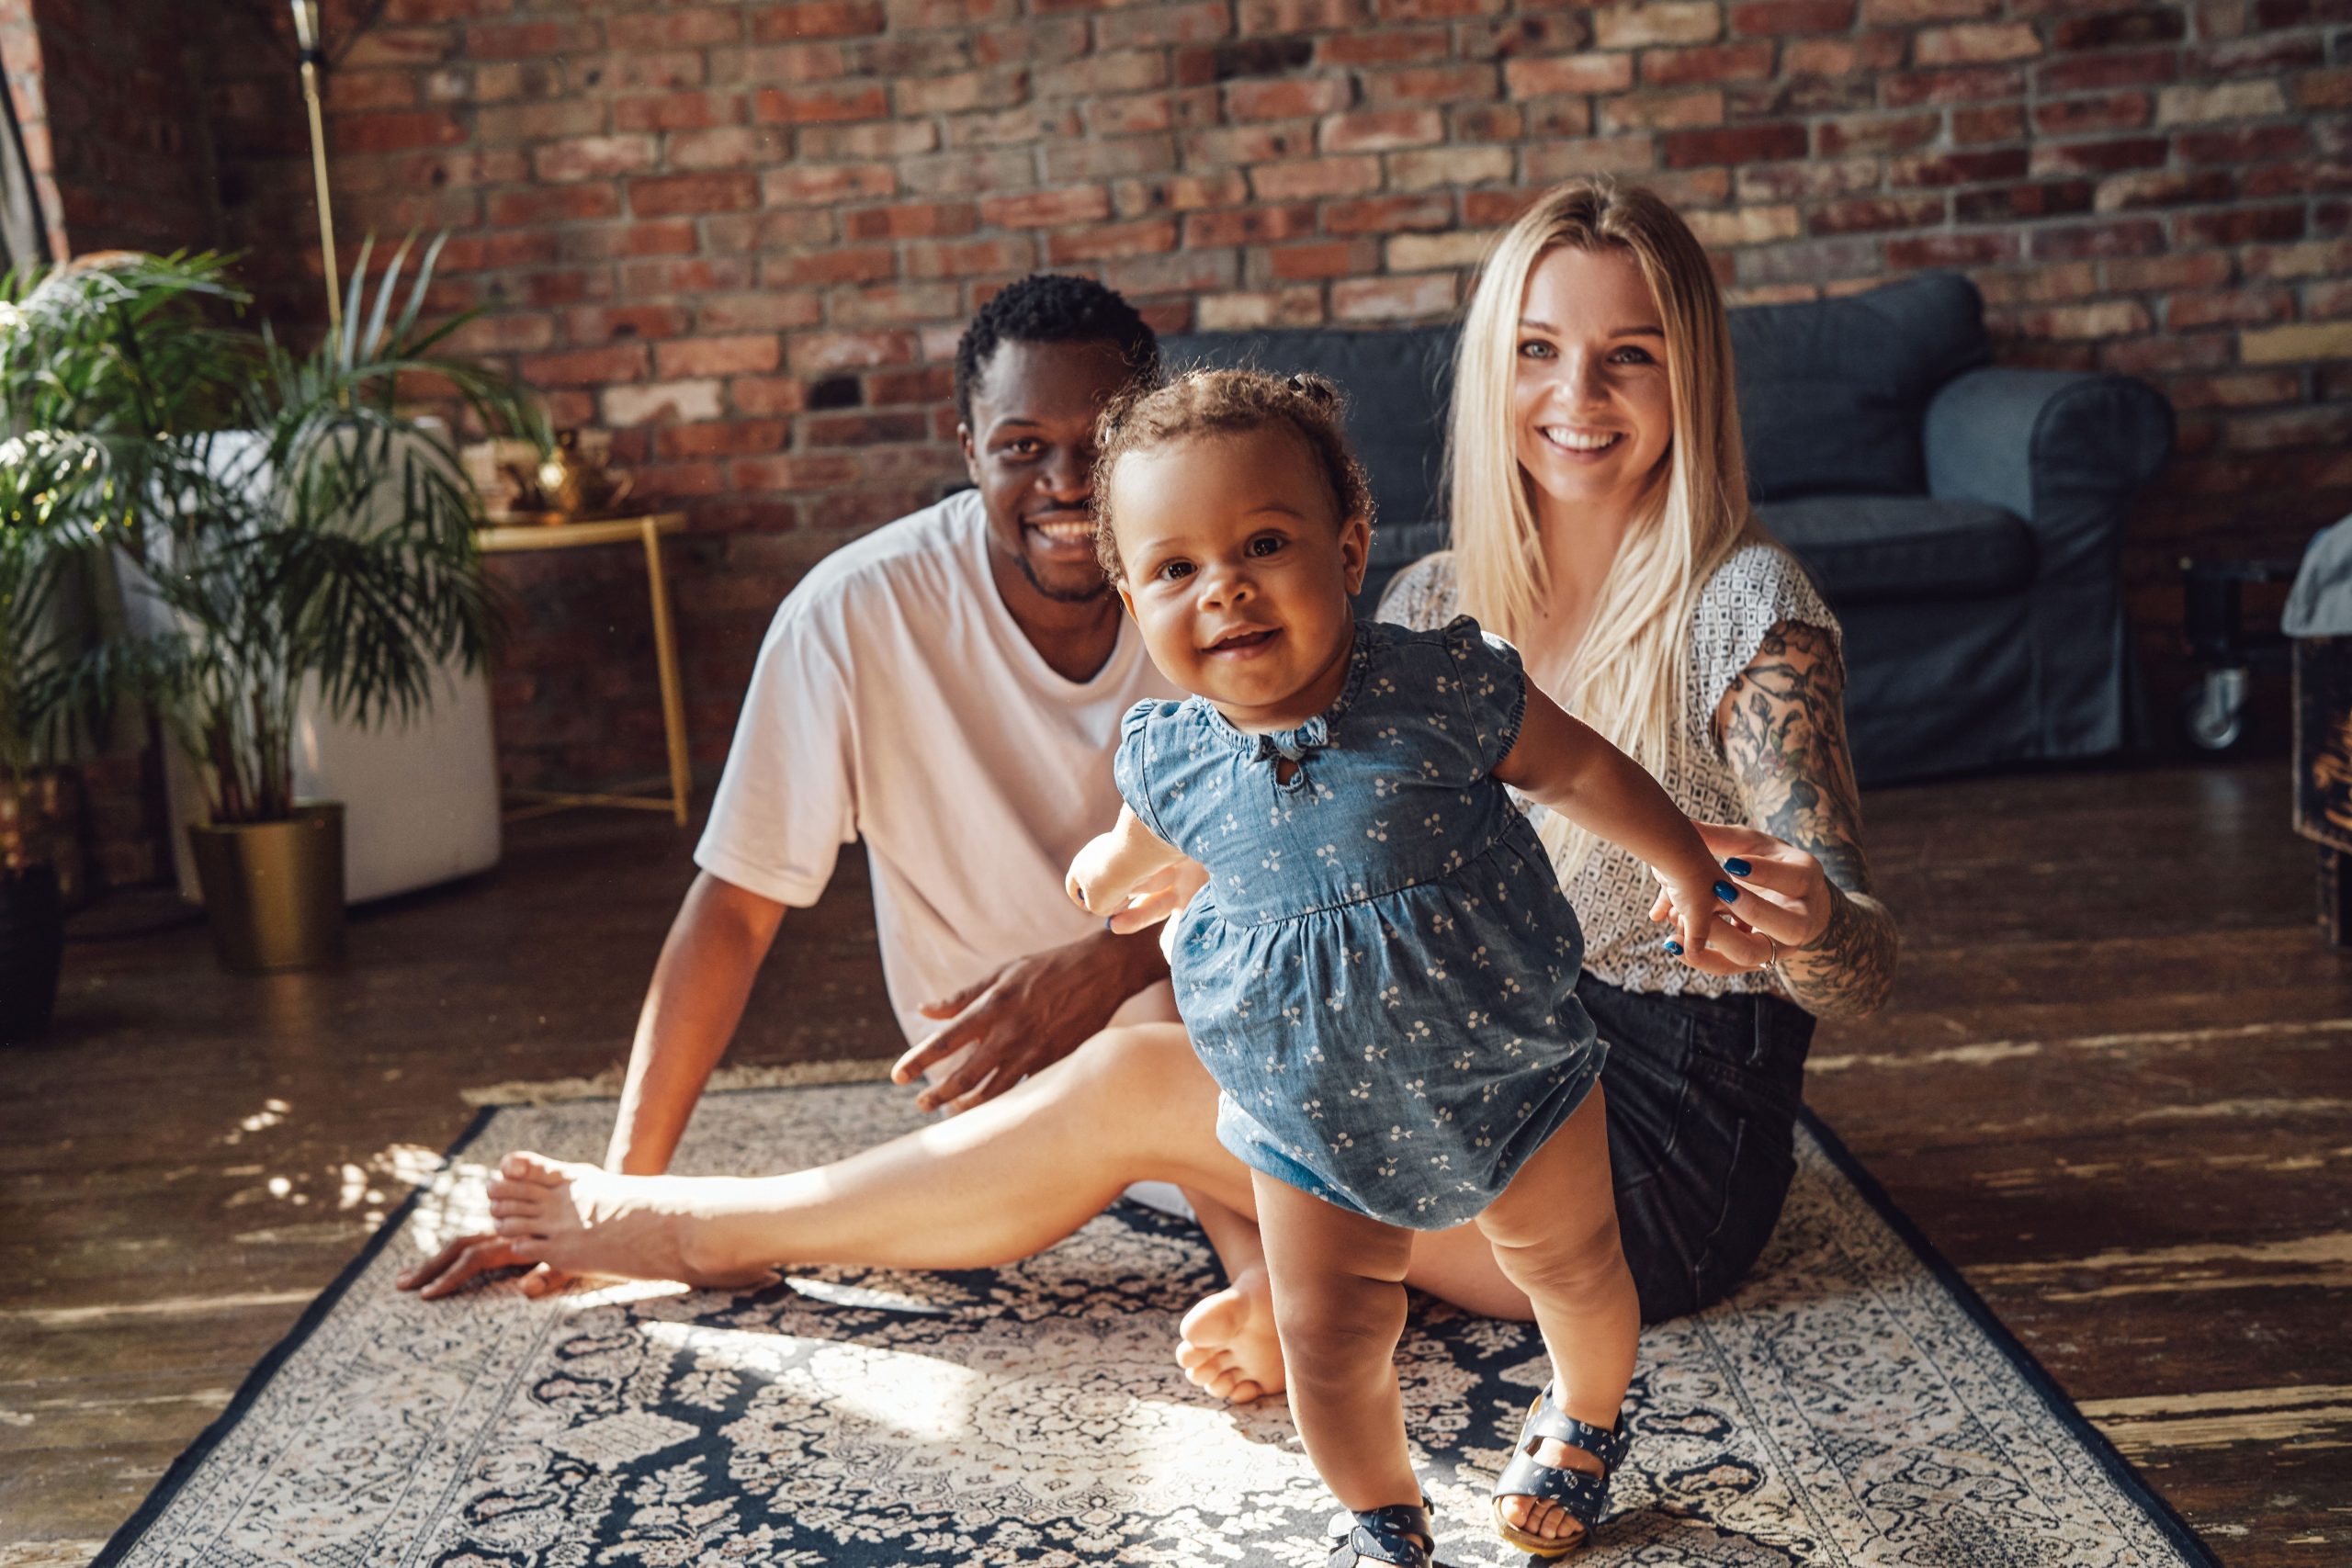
(1592, 415)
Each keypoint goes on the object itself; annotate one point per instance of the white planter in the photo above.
(421, 802)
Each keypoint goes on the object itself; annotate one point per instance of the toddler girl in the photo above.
(1379, 972)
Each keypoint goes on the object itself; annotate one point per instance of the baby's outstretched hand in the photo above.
(1693, 904)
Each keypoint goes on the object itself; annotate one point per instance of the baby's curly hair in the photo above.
(1225, 402)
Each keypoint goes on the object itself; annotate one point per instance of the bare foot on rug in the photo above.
(1227, 1342)
(585, 1219)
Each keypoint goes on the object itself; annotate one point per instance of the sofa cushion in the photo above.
(1832, 391)
(1398, 384)
(1870, 549)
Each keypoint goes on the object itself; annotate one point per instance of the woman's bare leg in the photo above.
(1002, 1181)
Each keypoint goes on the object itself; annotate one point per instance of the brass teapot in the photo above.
(573, 482)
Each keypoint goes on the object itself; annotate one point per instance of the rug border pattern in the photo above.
(2119, 1471)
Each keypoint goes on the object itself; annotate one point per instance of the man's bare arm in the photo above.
(700, 984)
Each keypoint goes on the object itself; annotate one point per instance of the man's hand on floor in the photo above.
(467, 1257)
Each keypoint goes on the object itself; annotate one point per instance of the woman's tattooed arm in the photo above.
(1783, 726)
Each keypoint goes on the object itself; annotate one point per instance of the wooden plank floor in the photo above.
(2113, 1088)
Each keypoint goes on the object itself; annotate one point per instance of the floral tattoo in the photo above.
(1783, 725)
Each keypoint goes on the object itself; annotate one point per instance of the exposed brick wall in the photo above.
(743, 236)
(105, 94)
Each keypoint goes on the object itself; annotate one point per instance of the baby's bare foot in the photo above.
(585, 1219)
(1228, 1344)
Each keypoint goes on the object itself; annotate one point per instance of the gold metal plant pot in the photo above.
(273, 891)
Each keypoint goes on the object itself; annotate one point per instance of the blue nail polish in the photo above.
(1675, 948)
(1736, 867)
(1726, 892)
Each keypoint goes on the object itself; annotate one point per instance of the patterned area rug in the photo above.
(1853, 1405)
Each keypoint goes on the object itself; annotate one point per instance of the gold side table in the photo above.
(646, 531)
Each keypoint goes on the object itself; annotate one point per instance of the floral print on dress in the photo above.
(1379, 973)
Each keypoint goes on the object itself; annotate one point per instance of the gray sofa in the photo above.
(1964, 521)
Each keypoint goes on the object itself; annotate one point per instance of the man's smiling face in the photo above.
(1030, 448)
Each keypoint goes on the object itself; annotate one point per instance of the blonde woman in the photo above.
(1601, 523)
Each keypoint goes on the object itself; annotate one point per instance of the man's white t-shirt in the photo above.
(896, 697)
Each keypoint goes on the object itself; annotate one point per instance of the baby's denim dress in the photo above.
(1381, 972)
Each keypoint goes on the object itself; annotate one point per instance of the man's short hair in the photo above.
(1052, 307)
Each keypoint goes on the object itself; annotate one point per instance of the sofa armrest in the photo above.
(2065, 452)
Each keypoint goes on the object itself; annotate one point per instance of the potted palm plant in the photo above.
(36, 689)
(287, 530)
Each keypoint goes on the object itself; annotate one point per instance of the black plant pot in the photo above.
(33, 945)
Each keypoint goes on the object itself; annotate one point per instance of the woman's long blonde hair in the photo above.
(1630, 677)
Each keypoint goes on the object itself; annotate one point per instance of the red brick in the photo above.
(736, 439)
(396, 132)
(2242, 144)
(1569, 73)
(817, 19)
(593, 157)
(718, 191)
(2228, 306)
(585, 366)
(1741, 144)
(1875, 133)
(1977, 44)
(749, 354)
(1389, 215)
(1709, 63)
(971, 257)
(1961, 84)
(2110, 29)
(1383, 46)
(1288, 99)
(360, 91)
(692, 274)
(814, 354)
(2004, 204)
(1863, 215)
(2097, 72)
(767, 395)
(846, 263)
(671, 237)
(2163, 187)
(1249, 225)
(678, 111)
(815, 105)
(1911, 13)
(1144, 27)
(2128, 237)
(929, 384)
(911, 221)
(538, 122)
(1777, 18)
(1432, 85)
(1096, 158)
(2243, 226)
(2074, 116)
(816, 470)
(768, 310)
(2099, 157)
(869, 430)
(811, 185)
(1145, 236)
(1048, 209)
(521, 208)
(2001, 122)
(1958, 168)
(2198, 269)
(606, 323)
(1393, 298)
(1313, 178)
(895, 305)
(1950, 250)
(1842, 56)
(1379, 130)
(675, 29)
(521, 40)
(1323, 258)
(1663, 111)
